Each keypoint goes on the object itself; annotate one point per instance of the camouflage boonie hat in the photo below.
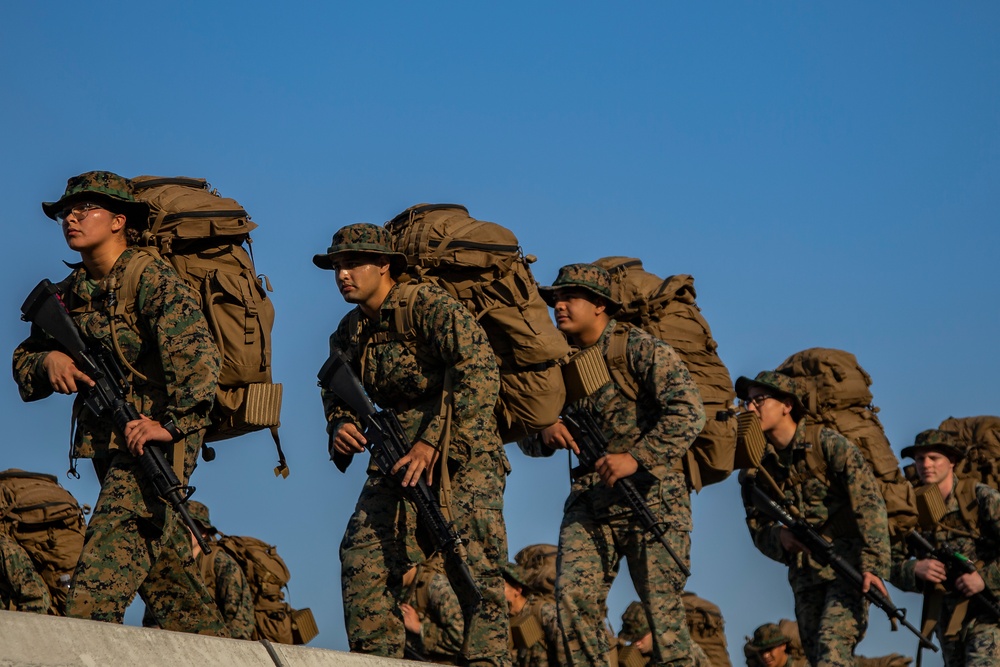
(589, 277)
(778, 383)
(200, 514)
(539, 564)
(513, 573)
(362, 237)
(635, 625)
(768, 636)
(946, 442)
(110, 190)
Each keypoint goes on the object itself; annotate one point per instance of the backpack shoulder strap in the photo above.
(617, 360)
(124, 304)
(815, 461)
(968, 504)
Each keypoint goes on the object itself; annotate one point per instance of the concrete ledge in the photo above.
(47, 641)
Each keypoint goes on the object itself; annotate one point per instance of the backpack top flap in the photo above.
(831, 379)
(981, 436)
(38, 499)
(188, 208)
(264, 568)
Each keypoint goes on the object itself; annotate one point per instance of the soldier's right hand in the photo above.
(63, 373)
(790, 543)
(411, 620)
(347, 439)
(558, 436)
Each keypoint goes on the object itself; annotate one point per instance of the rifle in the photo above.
(594, 446)
(45, 309)
(956, 565)
(387, 443)
(822, 550)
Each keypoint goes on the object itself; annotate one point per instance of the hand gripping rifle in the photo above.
(45, 309)
(821, 549)
(593, 447)
(387, 443)
(956, 565)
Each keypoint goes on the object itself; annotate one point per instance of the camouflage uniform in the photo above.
(535, 638)
(831, 611)
(441, 632)
(770, 635)
(172, 345)
(598, 527)
(635, 627)
(381, 539)
(21, 587)
(976, 639)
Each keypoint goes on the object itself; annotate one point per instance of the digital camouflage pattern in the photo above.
(549, 651)
(589, 277)
(131, 526)
(361, 237)
(21, 587)
(832, 614)
(771, 635)
(102, 187)
(442, 626)
(538, 562)
(382, 538)
(598, 528)
(978, 642)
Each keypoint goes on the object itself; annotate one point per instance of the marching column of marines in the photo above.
(439, 376)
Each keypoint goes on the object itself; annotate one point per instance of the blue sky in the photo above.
(827, 171)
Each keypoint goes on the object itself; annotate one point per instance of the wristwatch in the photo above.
(172, 429)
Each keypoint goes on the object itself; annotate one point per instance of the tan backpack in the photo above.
(981, 437)
(837, 395)
(481, 265)
(202, 235)
(707, 628)
(666, 308)
(45, 519)
(267, 574)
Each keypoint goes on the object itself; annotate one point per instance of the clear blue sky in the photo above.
(827, 171)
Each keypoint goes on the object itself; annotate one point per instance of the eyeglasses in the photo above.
(756, 401)
(81, 211)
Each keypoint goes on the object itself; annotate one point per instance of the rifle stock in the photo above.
(594, 446)
(45, 309)
(822, 550)
(387, 443)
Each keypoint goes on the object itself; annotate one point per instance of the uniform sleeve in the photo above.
(681, 413)
(188, 353)
(764, 532)
(458, 340)
(989, 519)
(28, 591)
(443, 627)
(553, 637)
(32, 381)
(866, 503)
(233, 596)
(335, 410)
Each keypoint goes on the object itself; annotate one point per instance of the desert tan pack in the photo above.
(666, 308)
(267, 576)
(206, 238)
(45, 519)
(707, 628)
(481, 264)
(836, 394)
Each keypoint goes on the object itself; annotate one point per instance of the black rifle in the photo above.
(387, 443)
(593, 447)
(822, 551)
(45, 309)
(955, 565)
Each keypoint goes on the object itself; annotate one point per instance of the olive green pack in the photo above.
(666, 308)
(267, 575)
(206, 238)
(45, 519)
(481, 264)
(836, 393)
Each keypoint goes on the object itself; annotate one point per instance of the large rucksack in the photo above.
(267, 575)
(981, 437)
(666, 308)
(202, 235)
(836, 394)
(481, 265)
(45, 519)
(707, 628)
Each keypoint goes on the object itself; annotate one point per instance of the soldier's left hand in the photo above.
(969, 584)
(868, 580)
(419, 460)
(613, 467)
(140, 431)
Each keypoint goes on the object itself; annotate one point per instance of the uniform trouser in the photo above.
(382, 542)
(21, 587)
(978, 645)
(590, 552)
(127, 534)
(832, 617)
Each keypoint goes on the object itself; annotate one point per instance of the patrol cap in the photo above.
(946, 442)
(200, 514)
(588, 277)
(774, 382)
(108, 189)
(361, 237)
(635, 625)
(514, 574)
(768, 636)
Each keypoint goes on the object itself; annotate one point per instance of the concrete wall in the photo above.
(47, 641)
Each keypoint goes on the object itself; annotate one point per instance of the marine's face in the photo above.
(86, 225)
(359, 275)
(775, 656)
(933, 467)
(769, 408)
(575, 310)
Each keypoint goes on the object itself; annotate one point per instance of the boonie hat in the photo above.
(768, 636)
(589, 277)
(946, 442)
(199, 513)
(108, 189)
(780, 384)
(635, 625)
(513, 573)
(363, 237)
